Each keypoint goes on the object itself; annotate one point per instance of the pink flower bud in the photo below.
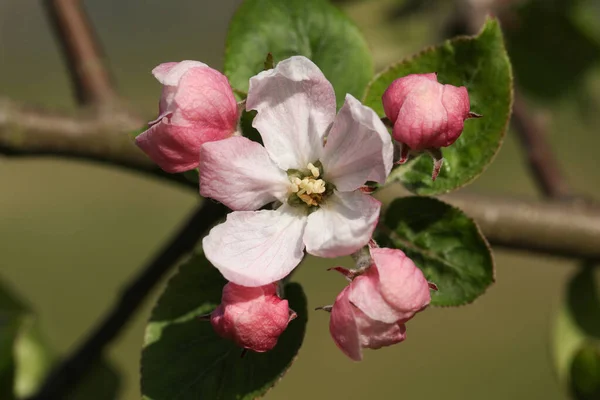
(393, 288)
(253, 317)
(352, 330)
(372, 310)
(197, 105)
(426, 114)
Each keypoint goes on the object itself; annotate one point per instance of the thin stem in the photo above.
(82, 52)
(68, 373)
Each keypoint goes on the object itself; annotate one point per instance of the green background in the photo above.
(72, 233)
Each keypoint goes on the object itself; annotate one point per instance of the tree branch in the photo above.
(547, 227)
(542, 163)
(90, 78)
(67, 374)
(103, 138)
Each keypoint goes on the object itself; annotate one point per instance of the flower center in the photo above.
(306, 188)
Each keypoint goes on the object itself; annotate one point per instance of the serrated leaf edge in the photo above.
(477, 228)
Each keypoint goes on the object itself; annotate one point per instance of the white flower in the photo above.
(316, 181)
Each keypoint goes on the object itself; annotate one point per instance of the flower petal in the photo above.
(421, 117)
(239, 173)
(296, 106)
(342, 225)
(342, 326)
(171, 72)
(173, 148)
(401, 282)
(254, 248)
(253, 317)
(162, 70)
(358, 148)
(364, 294)
(376, 334)
(394, 96)
(205, 98)
(456, 102)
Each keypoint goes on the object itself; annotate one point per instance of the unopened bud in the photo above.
(372, 310)
(352, 330)
(197, 105)
(253, 317)
(426, 115)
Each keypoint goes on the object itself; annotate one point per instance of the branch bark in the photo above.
(73, 30)
(556, 228)
(543, 165)
(104, 138)
(549, 227)
(65, 375)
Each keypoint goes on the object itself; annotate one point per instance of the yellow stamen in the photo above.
(313, 170)
(308, 200)
(309, 189)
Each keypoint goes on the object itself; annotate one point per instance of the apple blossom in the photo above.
(315, 185)
(253, 317)
(372, 310)
(196, 106)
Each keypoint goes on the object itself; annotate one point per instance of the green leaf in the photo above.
(583, 300)
(480, 63)
(184, 358)
(585, 373)
(575, 343)
(572, 50)
(13, 313)
(444, 243)
(33, 358)
(246, 126)
(312, 28)
(26, 359)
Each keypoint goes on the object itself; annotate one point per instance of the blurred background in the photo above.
(72, 233)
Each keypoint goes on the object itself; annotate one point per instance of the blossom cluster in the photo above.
(303, 190)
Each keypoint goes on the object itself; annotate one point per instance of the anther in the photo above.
(313, 170)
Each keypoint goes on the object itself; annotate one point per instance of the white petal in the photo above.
(342, 225)
(296, 106)
(170, 73)
(239, 173)
(254, 248)
(359, 148)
